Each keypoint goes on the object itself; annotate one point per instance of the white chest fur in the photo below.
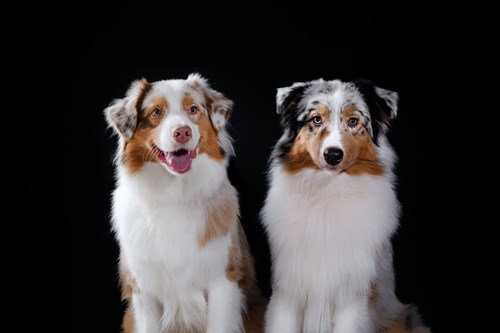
(327, 231)
(158, 219)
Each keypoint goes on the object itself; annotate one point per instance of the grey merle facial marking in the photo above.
(376, 105)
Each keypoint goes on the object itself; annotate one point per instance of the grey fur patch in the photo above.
(220, 110)
(413, 322)
(391, 98)
(121, 115)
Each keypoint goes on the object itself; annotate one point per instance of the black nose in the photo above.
(333, 155)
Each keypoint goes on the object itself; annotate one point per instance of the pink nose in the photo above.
(182, 134)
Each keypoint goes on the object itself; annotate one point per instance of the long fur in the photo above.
(331, 211)
(185, 265)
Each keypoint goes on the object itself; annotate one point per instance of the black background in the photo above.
(84, 58)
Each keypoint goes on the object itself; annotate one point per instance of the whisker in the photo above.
(149, 155)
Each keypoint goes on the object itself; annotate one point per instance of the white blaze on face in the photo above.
(334, 127)
(173, 92)
(177, 118)
(333, 139)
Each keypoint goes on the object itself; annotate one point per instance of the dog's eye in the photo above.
(353, 121)
(317, 120)
(193, 109)
(157, 112)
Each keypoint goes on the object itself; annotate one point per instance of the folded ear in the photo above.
(288, 97)
(287, 102)
(219, 107)
(390, 99)
(382, 105)
(122, 113)
(220, 110)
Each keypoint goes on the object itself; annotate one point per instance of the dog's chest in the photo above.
(161, 246)
(324, 239)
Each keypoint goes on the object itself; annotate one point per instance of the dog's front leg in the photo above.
(282, 314)
(225, 307)
(353, 318)
(147, 314)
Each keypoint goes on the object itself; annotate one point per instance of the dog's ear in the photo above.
(382, 104)
(288, 97)
(287, 100)
(122, 113)
(219, 107)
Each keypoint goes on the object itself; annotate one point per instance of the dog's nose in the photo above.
(333, 155)
(182, 134)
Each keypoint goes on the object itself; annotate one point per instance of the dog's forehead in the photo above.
(335, 95)
(174, 92)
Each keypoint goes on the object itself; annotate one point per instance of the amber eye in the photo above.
(353, 121)
(317, 120)
(157, 112)
(193, 109)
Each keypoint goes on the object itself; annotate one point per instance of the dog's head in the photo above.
(334, 125)
(170, 122)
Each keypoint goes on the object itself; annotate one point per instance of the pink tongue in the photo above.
(179, 164)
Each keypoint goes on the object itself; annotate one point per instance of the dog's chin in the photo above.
(339, 168)
(178, 161)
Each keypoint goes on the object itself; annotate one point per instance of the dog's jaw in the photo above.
(178, 161)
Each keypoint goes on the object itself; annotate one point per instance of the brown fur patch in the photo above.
(128, 286)
(209, 142)
(145, 88)
(398, 326)
(220, 218)
(238, 258)
(127, 281)
(305, 151)
(128, 320)
(147, 120)
(360, 154)
(138, 149)
(240, 269)
(188, 101)
(374, 293)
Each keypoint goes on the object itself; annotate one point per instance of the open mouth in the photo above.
(178, 160)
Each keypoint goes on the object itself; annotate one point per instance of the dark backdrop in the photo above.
(85, 58)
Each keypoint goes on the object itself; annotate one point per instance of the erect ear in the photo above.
(122, 113)
(219, 107)
(382, 104)
(287, 100)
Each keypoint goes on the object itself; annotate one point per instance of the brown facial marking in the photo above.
(146, 118)
(138, 149)
(360, 154)
(145, 88)
(307, 145)
(209, 142)
(219, 220)
(187, 102)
